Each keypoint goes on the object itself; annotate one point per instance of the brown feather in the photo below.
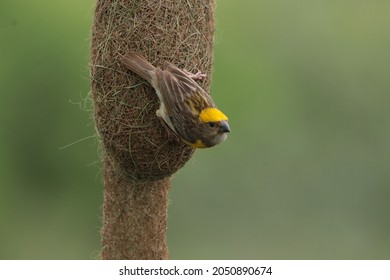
(182, 99)
(139, 65)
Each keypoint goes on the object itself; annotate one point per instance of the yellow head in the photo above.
(213, 128)
(212, 115)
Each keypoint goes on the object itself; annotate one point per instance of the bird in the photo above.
(186, 109)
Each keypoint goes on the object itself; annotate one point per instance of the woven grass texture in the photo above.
(181, 32)
(134, 218)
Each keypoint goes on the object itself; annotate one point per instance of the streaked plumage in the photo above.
(185, 107)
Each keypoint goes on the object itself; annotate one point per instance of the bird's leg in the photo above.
(197, 76)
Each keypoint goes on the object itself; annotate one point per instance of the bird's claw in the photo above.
(197, 76)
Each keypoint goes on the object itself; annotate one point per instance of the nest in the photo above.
(181, 32)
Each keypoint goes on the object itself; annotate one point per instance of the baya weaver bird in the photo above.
(185, 108)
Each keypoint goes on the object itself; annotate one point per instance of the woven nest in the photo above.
(181, 32)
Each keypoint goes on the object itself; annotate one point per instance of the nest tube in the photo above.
(138, 156)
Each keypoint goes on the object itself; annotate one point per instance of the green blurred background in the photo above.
(304, 174)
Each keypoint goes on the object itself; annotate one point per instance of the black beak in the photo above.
(224, 126)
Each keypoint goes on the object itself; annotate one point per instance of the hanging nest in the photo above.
(133, 138)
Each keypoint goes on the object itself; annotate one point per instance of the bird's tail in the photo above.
(138, 64)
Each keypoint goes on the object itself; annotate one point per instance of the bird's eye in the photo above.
(212, 124)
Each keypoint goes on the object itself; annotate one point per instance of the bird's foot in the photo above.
(197, 76)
